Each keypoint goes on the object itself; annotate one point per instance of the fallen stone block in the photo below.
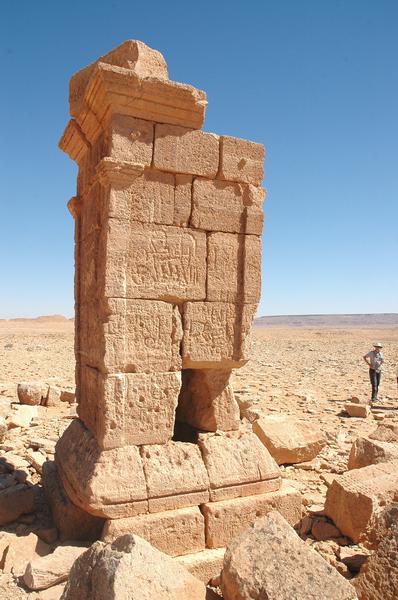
(21, 550)
(68, 396)
(379, 526)
(15, 501)
(226, 519)
(53, 397)
(322, 530)
(289, 440)
(21, 416)
(378, 578)
(52, 569)
(269, 560)
(385, 432)
(357, 410)
(104, 572)
(204, 565)
(174, 532)
(356, 496)
(365, 452)
(72, 522)
(33, 393)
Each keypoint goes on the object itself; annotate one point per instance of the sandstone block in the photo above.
(204, 565)
(174, 532)
(357, 410)
(3, 429)
(104, 572)
(216, 334)
(288, 439)
(107, 483)
(21, 550)
(15, 501)
(129, 409)
(21, 416)
(155, 262)
(225, 520)
(378, 578)
(269, 560)
(228, 207)
(385, 432)
(68, 396)
(233, 460)
(32, 393)
(182, 150)
(53, 396)
(380, 525)
(130, 140)
(182, 200)
(130, 336)
(147, 198)
(72, 522)
(233, 268)
(365, 452)
(42, 573)
(175, 476)
(354, 497)
(241, 160)
(207, 400)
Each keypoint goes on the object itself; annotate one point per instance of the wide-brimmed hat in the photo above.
(378, 345)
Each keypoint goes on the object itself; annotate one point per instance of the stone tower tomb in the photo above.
(167, 280)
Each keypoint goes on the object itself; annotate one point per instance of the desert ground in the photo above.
(307, 372)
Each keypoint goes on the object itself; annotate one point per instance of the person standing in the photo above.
(374, 359)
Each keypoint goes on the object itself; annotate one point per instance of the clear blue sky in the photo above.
(316, 81)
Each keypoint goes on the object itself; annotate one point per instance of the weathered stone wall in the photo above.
(168, 266)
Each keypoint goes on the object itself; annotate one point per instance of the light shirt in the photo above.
(376, 360)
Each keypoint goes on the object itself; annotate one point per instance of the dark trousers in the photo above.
(374, 377)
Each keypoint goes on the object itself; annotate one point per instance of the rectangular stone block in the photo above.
(233, 268)
(207, 400)
(130, 139)
(241, 160)
(183, 200)
(205, 564)
(175, 532)
(245, 489)
(105, 483)
(128, 409)
(146, 198)
(175, 475)
(181, 150)
(155, 262)
(216, 334)
(234, 459)
(130, 336)
(225, 520)
(228, 207)
(356, 497)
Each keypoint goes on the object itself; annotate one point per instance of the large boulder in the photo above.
(130, 568)
(289, 440)
(378, 579)
(366, 451)
(268, 561)
(33, 393)
(354, 498)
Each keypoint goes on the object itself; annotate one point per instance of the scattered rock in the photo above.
(385, 432)
(288, 439)
(3, 429)
(15, 501)
(105, 572)
(380, 525)
(54, 568)
(269, 561)
(365, 452)
(357, 410)
(33, 393)
(322, 530)
(68, 396)
(21, 416)
(378, 579)
(357, 495)
(53, 397)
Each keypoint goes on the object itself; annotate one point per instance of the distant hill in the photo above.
(41, 319)
(371, 321)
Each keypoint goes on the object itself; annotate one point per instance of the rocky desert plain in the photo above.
(308, 373)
